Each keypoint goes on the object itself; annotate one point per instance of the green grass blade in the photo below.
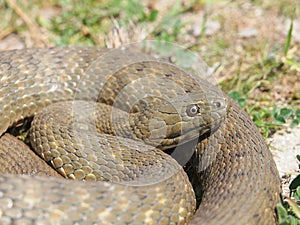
(289, 38)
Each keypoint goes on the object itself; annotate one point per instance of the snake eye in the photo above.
(192, 110)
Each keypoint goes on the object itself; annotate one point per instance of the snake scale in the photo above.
(231, 162)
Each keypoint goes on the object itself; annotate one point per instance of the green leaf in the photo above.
(282, 213)
(295, 122)
(238, 98)
(153, 15)
(286, 112)
(295, 183)
(297, 113)
(280, 119)
(297, 194)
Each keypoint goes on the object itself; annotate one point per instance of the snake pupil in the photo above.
(192, 110)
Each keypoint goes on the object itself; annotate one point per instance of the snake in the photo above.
(136, 183)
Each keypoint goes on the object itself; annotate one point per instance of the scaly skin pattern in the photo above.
(237, 173)
(233, 166)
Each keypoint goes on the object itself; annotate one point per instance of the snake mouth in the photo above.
(193, 133)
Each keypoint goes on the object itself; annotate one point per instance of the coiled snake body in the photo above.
(232, 163)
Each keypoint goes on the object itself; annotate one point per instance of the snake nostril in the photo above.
(218, 104)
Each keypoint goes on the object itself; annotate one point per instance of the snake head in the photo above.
(167, 123)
